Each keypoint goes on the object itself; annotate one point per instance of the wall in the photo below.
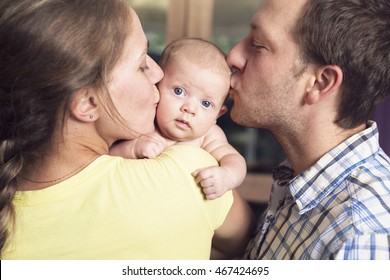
(382, 117)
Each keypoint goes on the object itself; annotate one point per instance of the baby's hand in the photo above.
(215, 181)
(147, 147)
(142, 147)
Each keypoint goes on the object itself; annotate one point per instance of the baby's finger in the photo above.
(207, 183)
(204, 174)
(195, 175)
(208, 190)
(212, 196)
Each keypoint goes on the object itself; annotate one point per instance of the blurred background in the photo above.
(226, 22)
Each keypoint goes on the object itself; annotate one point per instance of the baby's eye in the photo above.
(206, 103)
(178, 91)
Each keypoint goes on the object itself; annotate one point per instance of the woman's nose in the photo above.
(155, 72)
(156, 94)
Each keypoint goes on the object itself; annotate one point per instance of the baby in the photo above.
(192, 96)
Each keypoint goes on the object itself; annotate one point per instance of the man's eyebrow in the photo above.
(257, 27)
(260, 31)
(253, 26)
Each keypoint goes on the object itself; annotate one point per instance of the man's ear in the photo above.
(223, 110)
(326, 80)
(83, 106)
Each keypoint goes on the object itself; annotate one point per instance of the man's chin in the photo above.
(240, 117)
(236, 116)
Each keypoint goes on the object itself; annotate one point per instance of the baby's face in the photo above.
(191, 99)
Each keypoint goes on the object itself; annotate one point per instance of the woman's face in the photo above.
(133, 88)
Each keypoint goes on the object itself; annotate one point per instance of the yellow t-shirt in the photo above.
(121, 209)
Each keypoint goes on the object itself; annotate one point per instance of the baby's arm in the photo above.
(145, 146)
(216, 180)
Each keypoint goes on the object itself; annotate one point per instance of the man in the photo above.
(312, 72)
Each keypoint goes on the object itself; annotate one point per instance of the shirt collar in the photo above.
(313, 185)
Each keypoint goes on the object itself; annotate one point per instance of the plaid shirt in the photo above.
(337, 209)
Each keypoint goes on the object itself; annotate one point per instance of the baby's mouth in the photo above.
(183, 123)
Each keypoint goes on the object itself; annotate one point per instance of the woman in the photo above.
(75, 77)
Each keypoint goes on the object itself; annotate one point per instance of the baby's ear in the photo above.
(223, 110)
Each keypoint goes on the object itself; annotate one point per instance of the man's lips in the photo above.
(232, 92)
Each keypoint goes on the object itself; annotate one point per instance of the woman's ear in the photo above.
(326, 80)
(83, 106)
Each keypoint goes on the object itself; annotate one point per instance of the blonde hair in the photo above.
(198, 51)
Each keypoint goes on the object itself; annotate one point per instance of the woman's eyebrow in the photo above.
(147, 47)
(144, 52)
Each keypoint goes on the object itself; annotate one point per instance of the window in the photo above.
(231, 21)
(153, 15)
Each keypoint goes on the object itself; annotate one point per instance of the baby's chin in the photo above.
(176, 136)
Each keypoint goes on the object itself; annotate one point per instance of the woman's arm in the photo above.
(231, 238)
(229, 216)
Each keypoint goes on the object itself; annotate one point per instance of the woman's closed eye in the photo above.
(144, 67)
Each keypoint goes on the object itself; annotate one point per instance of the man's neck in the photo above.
(305, 148)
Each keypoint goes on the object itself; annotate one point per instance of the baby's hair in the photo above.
(201, 52)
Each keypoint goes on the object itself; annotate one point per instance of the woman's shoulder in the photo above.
(186, 151)
(176, 159)
(188, 155)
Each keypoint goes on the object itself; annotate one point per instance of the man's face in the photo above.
(266, 86)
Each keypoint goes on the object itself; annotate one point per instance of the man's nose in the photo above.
(236, 58)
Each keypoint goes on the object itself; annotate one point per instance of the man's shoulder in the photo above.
(369, 189)
(375, 170)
